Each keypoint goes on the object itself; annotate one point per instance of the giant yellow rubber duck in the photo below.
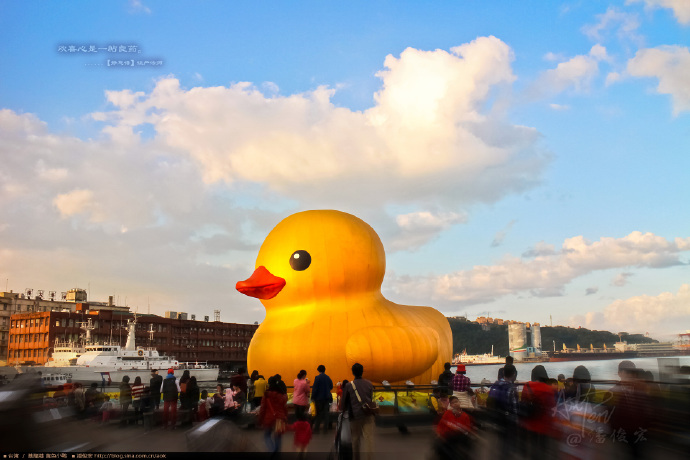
(319, 275)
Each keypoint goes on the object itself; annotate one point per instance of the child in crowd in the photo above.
(302, 429)
(204, 406)
(106, 409)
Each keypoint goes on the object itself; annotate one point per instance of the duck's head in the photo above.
(316, 255)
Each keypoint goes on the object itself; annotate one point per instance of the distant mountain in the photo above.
(472, 337)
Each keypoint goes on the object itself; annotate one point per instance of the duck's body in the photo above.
(324, 306)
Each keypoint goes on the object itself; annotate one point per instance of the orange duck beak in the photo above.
(262, 284)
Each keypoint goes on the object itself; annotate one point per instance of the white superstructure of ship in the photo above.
(108, 362)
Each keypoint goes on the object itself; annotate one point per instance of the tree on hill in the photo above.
(476, 339)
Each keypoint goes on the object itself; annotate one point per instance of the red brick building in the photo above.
(32, 335)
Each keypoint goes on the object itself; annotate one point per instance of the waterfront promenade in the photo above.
(88, 439)
(85, 436)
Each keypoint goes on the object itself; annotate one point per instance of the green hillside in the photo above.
(473, 338)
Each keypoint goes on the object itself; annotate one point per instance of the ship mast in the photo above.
(131, 339)
(88, 327)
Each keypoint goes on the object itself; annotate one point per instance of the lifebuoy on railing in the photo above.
(141, 353)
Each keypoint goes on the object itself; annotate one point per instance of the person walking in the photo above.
(155, 385)
(356, 395)
(273, 414)
(170, 390)
(302, 429)
(322, 397)
(300, 395)
(125, 399)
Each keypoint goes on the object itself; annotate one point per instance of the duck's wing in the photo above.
(393, 353)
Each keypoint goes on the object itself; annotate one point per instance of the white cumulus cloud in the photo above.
(575, 74)
(544, 271)
(429, 137)
(625, 26)
(418, 228)
(670, 65)
(659, 315)
(680, 8)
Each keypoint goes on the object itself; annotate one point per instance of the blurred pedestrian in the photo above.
(356, 396)
(537, 404)
(273, 414)
(218, 404)
(105, 409)
(137, 393)
(192, 401)
(170, 390)
(454, 431)
(502, 403)
(125, 400)
(303, 433)
(300, 394)
(322, 397)
(155, 384)
(204, 406)
(445, 380)
(147, 409)
(259, 390)
(92, 401)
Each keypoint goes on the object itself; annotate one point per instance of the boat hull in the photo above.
(588, 356)
(100, 374)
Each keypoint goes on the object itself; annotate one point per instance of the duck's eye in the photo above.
(300, 260)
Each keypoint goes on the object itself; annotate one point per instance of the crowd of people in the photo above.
(556, 417)
(544, 417)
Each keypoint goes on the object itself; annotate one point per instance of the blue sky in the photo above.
(526, 160)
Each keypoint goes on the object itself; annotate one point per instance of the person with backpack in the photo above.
(502, 402)
(170, 390)
(445, 380)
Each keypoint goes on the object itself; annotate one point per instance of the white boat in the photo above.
(108, 362)
(54, 380)
(65, 353)
(485, 358)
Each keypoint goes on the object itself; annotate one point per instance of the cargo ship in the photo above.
(622, 350)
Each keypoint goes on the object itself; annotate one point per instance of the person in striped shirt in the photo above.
(137, 393)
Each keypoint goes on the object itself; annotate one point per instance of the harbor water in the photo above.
(600, 370)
